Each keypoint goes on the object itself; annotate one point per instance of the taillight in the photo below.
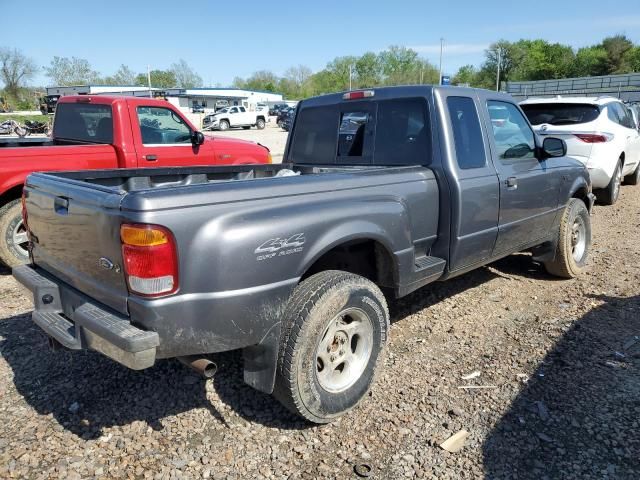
(150, 259)
(358, 94)
(594, 137)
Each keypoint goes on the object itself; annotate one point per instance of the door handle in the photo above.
(61, 205)
(150, 158)
(511, 182)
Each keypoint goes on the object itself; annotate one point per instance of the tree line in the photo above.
(521, 60)
(541, 60)
(17, 70)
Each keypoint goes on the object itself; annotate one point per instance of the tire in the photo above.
(314, 378)
(574, 241)
(20, 131)
(609, 195)
(260, 124)
(633, 178)
(12, 252)
(223, 125)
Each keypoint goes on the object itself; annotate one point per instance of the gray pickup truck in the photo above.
(381, 192)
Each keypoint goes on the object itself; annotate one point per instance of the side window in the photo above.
(513, 136)
(467, 133)
(234, 110)
(242, 109)
(402, 133)
(160, 125)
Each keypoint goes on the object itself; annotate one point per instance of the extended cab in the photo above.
(98, 132)
(236, 116)
(381, 192)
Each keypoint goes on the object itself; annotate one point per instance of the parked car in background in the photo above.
(197, 109)
(236, 116)
(275, 109)
(209, 259)
(91, 132)
(287, 123)
(600, 132)
(283, 114)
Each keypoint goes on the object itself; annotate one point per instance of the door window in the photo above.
(512, 134)
(467, 134)
(160, 126)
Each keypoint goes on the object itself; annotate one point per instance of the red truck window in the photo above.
(83, 122)
(162, 126)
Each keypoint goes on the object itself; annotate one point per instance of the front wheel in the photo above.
(14, 241)
(335, 330)
(260, 124)
(223, 125)
(20, 131)
(574, 241)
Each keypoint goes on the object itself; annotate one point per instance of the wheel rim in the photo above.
(20, 238)
(344, 350)
(578, 239)
(618, 181)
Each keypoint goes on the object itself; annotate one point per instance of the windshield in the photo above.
(83, 122)
(560, 113)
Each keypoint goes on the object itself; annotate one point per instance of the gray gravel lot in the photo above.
(271, 137)
(561, 359)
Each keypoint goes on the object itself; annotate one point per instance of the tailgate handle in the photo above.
(61, 205)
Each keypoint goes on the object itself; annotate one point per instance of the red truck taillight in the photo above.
(150, 259)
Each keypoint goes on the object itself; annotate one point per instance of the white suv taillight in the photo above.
(150, 259)
(594, 137)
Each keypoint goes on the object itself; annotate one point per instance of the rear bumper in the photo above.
(76, 322)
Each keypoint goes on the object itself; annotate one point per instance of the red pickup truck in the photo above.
(96, 132)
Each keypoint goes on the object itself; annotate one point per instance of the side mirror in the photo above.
(553, 147)
(197, 138)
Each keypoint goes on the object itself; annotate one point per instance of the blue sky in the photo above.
(223, 39)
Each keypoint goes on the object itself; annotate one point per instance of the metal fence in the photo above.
(626, 87)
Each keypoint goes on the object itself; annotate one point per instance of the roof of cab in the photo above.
(603, 100)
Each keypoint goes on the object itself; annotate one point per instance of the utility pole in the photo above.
(498, 72)
(149, 80)
(350, 76)
(421, 75)
(441, 48)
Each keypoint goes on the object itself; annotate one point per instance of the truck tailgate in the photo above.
(75, 235)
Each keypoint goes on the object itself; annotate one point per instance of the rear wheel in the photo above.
(13, 235)
(260, 124)
(223, 125)
(20, 131)
(334, 333)
(610, 194)
(574, 241)
(633, 178)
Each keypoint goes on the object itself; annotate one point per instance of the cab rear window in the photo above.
(388, 132)
(83, 122)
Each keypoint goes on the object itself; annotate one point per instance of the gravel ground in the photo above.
(272, 137)
(560, 359)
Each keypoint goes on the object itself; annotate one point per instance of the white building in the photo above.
(210, 98)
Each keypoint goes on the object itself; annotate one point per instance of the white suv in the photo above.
(600, 132)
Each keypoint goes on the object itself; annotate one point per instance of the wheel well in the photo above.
(622, 158)
(583, 195)
(11, 194)
(367, 258)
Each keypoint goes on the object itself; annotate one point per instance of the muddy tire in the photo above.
(574, 241)
(610, 194)
(334, 334)
(13, 236)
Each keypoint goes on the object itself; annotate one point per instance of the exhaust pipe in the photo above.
(203, 366)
